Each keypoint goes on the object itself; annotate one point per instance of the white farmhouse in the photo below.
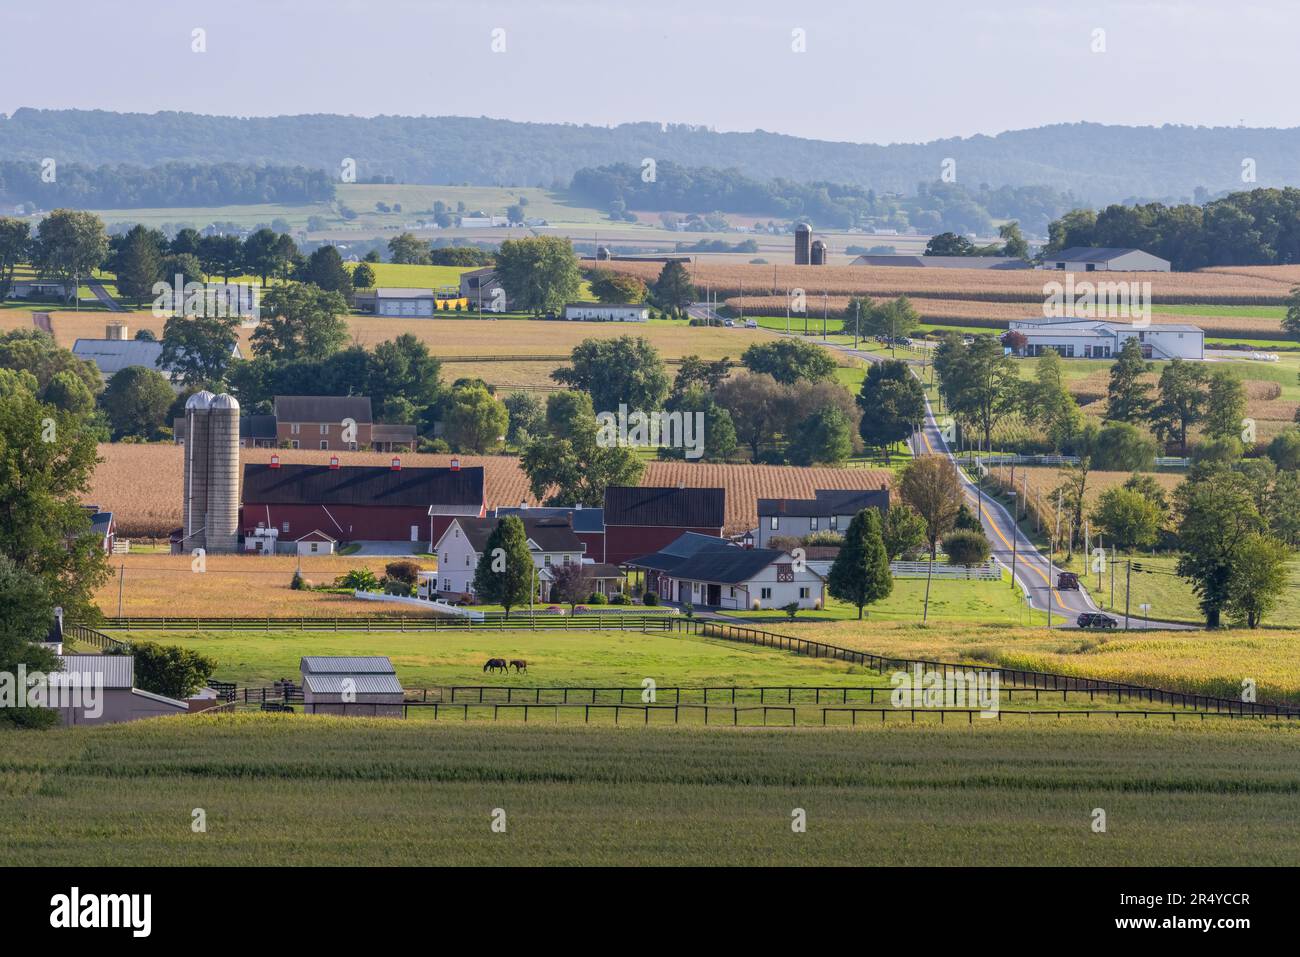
(1093, 259)
(551, 541)
(830, 510)
(701, 571)
(607, 312)
(1103, 338)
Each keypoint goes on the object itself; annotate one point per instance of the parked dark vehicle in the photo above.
(1067, 581)
(1096, 620)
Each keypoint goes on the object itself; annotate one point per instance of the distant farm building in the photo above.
(116, 352)
(1106, 259)
(358, 503)
(829, 510)
(607, 312)
(409, 302)
(323, 422)
(640, 520)
(483, 290)
(103, 527)
(942, 262)
(352, 686)
(1103, 338)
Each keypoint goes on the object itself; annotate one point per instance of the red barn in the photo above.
(359, 502)
(640, 520)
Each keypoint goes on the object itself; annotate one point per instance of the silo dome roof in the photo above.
(200, 400)
(225, 401)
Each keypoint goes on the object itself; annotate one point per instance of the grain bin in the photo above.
(802, 244)
(222, 522)
(818, 253)
(195, 488)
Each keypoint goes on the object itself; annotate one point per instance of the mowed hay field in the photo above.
(997, 315)
(152, 585)
(1260, 285)
(296, 790)
(141, 484)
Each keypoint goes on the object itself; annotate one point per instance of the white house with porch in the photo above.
(701, 571)
(1103, 338)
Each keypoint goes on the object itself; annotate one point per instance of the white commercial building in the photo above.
(1103, 338)
(607, 312)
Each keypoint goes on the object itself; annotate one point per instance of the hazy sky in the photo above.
(872, 71)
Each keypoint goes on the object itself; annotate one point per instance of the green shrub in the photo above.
(596, 598)
(650, 599)
(620, 599)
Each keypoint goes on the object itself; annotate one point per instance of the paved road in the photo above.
(1032, 569)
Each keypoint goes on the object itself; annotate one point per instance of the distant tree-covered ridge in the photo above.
(1099, 164)
(172, 184)
(928, 206)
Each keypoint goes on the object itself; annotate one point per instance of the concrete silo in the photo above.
(802, 244)
(818, 253)
(222, 524)
(195, 487)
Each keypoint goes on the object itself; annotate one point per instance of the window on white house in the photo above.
(467, 561)
(546, 559)
(775, 523)
(835, 522)
(765, 593)
(313, 546)
(803, 592)
(812, 524)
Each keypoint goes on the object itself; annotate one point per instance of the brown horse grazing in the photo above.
(496, 664)
(519, 664)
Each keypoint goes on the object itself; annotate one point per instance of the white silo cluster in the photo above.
(211, 472)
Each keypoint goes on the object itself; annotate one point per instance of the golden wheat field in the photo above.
(1201, 662)
(505, 337)
(1261, 285)
(141, 484)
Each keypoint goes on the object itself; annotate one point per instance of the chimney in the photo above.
(523, 504)
(334, 461)
(455, 464)
(397, 464)
(275, 461)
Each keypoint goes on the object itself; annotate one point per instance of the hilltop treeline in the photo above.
(1099, 164)
(931, 207)
(1253, 228)
(171, 184)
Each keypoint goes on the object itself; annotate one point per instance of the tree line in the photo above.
(122, 186)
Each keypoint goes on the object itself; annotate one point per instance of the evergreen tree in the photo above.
(860, 573)
(505, 574)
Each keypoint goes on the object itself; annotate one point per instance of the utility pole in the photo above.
(826, 302)
(1015, 535)
(787, 312)
(1128, 581)
(1112, 576)
(121, 576)
(857, 312)
(1051, 559)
